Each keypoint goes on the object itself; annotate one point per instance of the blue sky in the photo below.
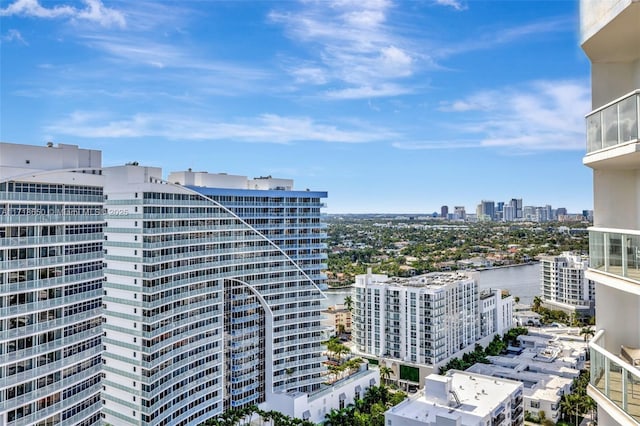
(390, 106)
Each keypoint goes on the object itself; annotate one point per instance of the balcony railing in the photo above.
(615, 123)
(615, 251)
(496, 421)
(616, 379)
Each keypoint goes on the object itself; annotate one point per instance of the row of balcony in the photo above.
(614, 378)
(615, 251)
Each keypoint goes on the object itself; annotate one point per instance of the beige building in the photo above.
(338, 318)
(610, 36)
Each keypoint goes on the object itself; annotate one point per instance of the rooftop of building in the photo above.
(458, 395)
(547, 362)
(432, 279)
(336, 309)
(537, 385)
(227, 184)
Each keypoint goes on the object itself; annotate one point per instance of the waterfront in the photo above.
(522, 281)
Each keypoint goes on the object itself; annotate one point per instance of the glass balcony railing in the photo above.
(614, 378)
(615, 251)
(615, 123)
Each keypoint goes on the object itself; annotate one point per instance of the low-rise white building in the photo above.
(547, 364)
(542, 391)
(461, 399)
(315, 406)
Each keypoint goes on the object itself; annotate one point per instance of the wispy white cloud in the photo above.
(456, 4)
(378, 91)
(94, 12)
(491, 38)
(352, 45)
(14, 35)
(266, 128)
(540, 116)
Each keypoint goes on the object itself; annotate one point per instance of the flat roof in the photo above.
(274, 193)
(479, 397)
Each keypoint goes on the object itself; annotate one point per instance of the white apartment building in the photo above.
(461, 399)
(51, 236)
(202, 312)
(496, 312)
(610, 36)
(563, 284)
(289, 218)
(424, 320)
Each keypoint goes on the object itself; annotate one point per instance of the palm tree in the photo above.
(348, 303)
(385, 373)
(342, 350)
(587, 333)
(537, 302)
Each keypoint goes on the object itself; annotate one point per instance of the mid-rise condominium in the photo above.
(51, 277)
(610, 35)
(563, 284)
(425, 320)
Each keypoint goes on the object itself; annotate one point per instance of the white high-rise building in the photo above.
(202, 312)
(425, 320)
(563, 284)
(509, 213)
(51, 258)
(289, 218)
(610, 36)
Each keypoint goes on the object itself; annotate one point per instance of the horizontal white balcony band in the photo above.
(614, 124)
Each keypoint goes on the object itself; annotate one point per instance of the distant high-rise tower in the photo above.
(516, 203)
(460, 212)
(509, 213)
(444, 211)
(487, 210)
(610, 35)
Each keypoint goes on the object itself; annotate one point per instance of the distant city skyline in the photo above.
(390, 107)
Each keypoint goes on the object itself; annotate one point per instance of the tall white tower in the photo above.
(202, 312)
(610, 36)
(50, 285)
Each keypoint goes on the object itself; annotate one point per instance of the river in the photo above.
(522, 281)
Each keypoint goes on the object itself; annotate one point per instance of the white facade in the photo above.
(290, 219)
(51, 258)
(563, 284)
(610, 36)
(198, 300)
(542, 392)
(424, 320)
(314, 407)
(461, 399)
(496, 313)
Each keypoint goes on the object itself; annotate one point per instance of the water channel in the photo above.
(522, 281)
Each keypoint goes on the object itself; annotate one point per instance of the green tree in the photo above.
(348, 303)
(587, 333)
(385, 373)
(537, 303)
